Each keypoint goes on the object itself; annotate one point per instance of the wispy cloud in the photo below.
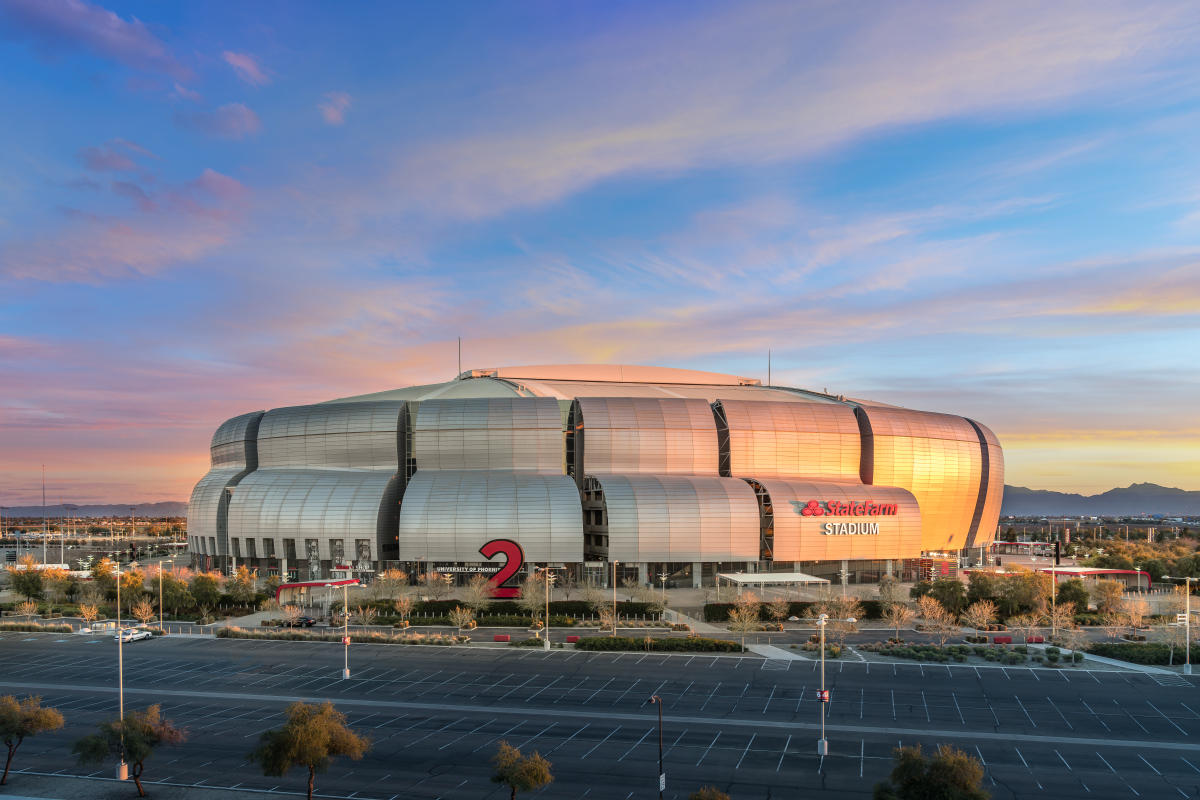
(246, 68)
(333, 109)
(115, 155)
(78, 25)
(230, 121)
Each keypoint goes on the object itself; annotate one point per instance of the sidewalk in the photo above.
(41, 786)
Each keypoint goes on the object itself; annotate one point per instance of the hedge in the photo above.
(719, 612)
(370, 637)
(688, 645)
(1142, 653)
(562, 608)
(35, 627)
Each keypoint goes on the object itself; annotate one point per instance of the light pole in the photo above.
(662, 776)
(1187, 623)
(346, 629)
(662, 578)
(547, 574)
(1053, 602)
(614, 582)
(160, 592)
(122, 767)
(823, 695)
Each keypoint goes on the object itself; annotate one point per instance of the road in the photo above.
(746, 725)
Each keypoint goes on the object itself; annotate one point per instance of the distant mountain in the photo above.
(1139, 499)
(140, 510)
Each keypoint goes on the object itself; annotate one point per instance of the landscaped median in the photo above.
(693, 644)
(35, 627)
(357, 637)
(1149, 653)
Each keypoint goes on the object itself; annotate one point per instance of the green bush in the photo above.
(719, 612)
(372, 637)
(530, 642)
(35, 627)
(1142, 652)
(694, 644)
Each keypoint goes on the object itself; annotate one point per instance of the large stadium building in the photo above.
(664, 471)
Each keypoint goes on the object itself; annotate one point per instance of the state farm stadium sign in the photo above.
(852, 508)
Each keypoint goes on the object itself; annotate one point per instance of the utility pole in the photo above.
(45, 528)
(662, 776)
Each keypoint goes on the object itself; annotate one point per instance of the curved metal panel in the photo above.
(447, 515)
(680, 518)
(361, 436)
(334, 507)
(936, 457)
(990, 518)
(670, 436)
(804, 537)
(516, 433)
(203, 510)
(792, 439)
(233, 444)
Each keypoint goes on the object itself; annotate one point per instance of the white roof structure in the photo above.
(769, 578)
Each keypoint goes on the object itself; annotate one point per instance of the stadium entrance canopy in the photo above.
(765, 579)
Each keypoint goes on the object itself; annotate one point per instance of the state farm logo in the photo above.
(813, 509)
(837, 508)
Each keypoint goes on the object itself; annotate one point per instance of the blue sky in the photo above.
(989, 209)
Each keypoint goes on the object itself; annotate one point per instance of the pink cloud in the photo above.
(184, 93)
(113, 156)
(333, 110)
(246, 68)
(74, 24)
(231, 121)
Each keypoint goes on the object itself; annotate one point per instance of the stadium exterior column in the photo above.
(696, 574)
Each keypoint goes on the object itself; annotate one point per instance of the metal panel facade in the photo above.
(803, 537)
(447, 515)
(332, 436)
(667, 436)
(936, 457)
(995, 489)
(203, 507)
(680, 518)
(814, 440)
(489, 433)
(330, 506)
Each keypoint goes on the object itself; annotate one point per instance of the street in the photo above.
(745, 724)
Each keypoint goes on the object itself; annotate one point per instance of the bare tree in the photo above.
(1135, 610)
(144, 611)
(593, 595)
(404, 607)
(1062, 616)
(743, 620)
(1024, 624)
(979, 615)
(291, 614)
(477, 594)
(27, 609)
(365, 615)
(897, 616)
(88, 613)
(937, 620)
(778, 609)
(631, 587)
(533, 594)
(567, 583)
(890, 591)
(461, 617)
(607, 618)
(844, 610)
(436, 585)
(1107, 595)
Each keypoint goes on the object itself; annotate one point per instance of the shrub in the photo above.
(1141, 653)
(530, 642)
(34, 627)
(693, 644)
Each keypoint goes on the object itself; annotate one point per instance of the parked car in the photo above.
(133, 634)
(300, 622)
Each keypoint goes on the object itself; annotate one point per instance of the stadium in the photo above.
(630, 472)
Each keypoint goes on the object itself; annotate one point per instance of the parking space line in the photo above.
(772, 697)
(957, 708)
(544, 688)
(1148, 764)
(635, 744)
(1105, 760)
(1064, 717)
(1135, 722)
(710, 747)
(1026, 763)
(1094, 714)
(598, 691)
(747, 750)
(1190, 764)
(1168, 719)
(784, 753)
(710, 695)
(602, 741)
(924, 703)
(677, 738)
(569, 738)
(536, 736)
(627, 691)
(1065, 764)
(1022, 705)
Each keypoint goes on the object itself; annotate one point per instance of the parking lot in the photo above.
(747, 725)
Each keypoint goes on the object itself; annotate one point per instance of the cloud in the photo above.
(776, 83)
(231, 121)
(184, 93)
(113, 156)
(246, 68)
(334, 109)
(77, 25)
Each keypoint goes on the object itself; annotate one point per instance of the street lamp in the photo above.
(1187, 646)
(662, 776)
(122, 767)
(1053, 602)
(345, 625)
(160, 592)
(662, 577)
(823, 695)
(614, 583)
(550, 578)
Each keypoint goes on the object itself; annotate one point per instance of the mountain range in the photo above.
(1134, 500)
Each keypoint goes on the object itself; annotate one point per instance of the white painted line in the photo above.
(569, 738)
(1168, 719)
(772, 697)
(957, 708)
(784, 753)
(1148, 764)
(544, 688)
(1102, 758)
(1064, 716)
(602, 741)
(1190, 764)
(1060, 758)
(633, 746)
(1022, 705)
(468, 733)
(924, 703)
(982, 760)
(710, 695)
(747, 750)
(710, 746)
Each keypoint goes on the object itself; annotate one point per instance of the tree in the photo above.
(919, 590)
(57, 582)
(27, 609)
(241, 586)
(1112, 622)
(144, 611)
(364, 615)
(175, 594)
(88, 613)
(388, 583)
(951, 774)
(937, 620)
(21, 719)
(607, 618)
(951, 593)
(206, 588)
(1073, 591)
(708, 793)
(436, 585)
(291, 613)
(897, 616)
(778, 609)
(743, 620)
(983, 586)
(461, 617)
(26, 578)
(594, 595)
(980, 614)
(477, 594)
(533, 594)
(104, 575)
(134, 739)
(133, 586)
(1062, 616)
(1135, 610)
(311, 738)
(890, 590)
(1024, 624)
(631, 587)
(404, 607)
(567, 583)
(1107, 595)
(520, 773)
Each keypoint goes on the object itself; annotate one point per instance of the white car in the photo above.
(133, 634)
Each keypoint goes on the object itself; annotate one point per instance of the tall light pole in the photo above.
(662, 578)
(823, 695)
(549, 578)
(1187, 622)
(1053, 602)
(160, 592)
(662, 776)
(122, 767)
(346, 629)
(614, 582)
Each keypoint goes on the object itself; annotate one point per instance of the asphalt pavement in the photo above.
(747, 725)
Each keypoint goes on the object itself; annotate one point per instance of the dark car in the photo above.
(300, 622)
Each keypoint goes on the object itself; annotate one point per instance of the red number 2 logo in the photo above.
(514, 559)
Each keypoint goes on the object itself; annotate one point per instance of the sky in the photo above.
(988, 209)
